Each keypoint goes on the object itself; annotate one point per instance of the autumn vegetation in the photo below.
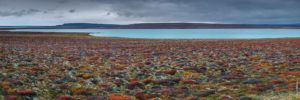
(65, 66)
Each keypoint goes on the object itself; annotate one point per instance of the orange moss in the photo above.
(255, 58)
(115, 96)
(87, 75)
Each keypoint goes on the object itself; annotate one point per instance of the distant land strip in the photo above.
(160, 26)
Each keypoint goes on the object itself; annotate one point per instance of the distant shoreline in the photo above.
(161, 26)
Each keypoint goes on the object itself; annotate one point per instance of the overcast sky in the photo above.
(52, 12)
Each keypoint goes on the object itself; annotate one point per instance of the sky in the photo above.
(53, 12)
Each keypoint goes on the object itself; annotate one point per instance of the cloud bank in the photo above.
(52, 12)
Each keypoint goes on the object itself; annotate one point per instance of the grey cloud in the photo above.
(19, 13)
(63, 1)
(222, 11)
(72, 11)
(59, 16)
(229, 11)
(108, 13)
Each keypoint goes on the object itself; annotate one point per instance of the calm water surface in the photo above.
(182, 33)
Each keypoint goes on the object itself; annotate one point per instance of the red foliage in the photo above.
(171, 71)
(27, 92)
(229, 77)
(148, 79)
(64, 97)
(254, 89)
(188, 81)
(94, 58)
(116, 96)
(276, 81)
(11, 97)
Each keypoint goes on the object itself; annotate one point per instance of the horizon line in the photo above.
(149, 23)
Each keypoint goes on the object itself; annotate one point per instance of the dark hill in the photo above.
(85, 25)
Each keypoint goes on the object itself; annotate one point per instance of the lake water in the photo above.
(182, 33)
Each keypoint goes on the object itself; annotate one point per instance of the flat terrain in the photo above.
(69, 66)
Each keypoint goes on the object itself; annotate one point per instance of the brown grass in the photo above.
(275, 96)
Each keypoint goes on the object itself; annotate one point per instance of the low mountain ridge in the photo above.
(174, 26)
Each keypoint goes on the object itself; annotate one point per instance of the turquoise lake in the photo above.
(182, 33)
